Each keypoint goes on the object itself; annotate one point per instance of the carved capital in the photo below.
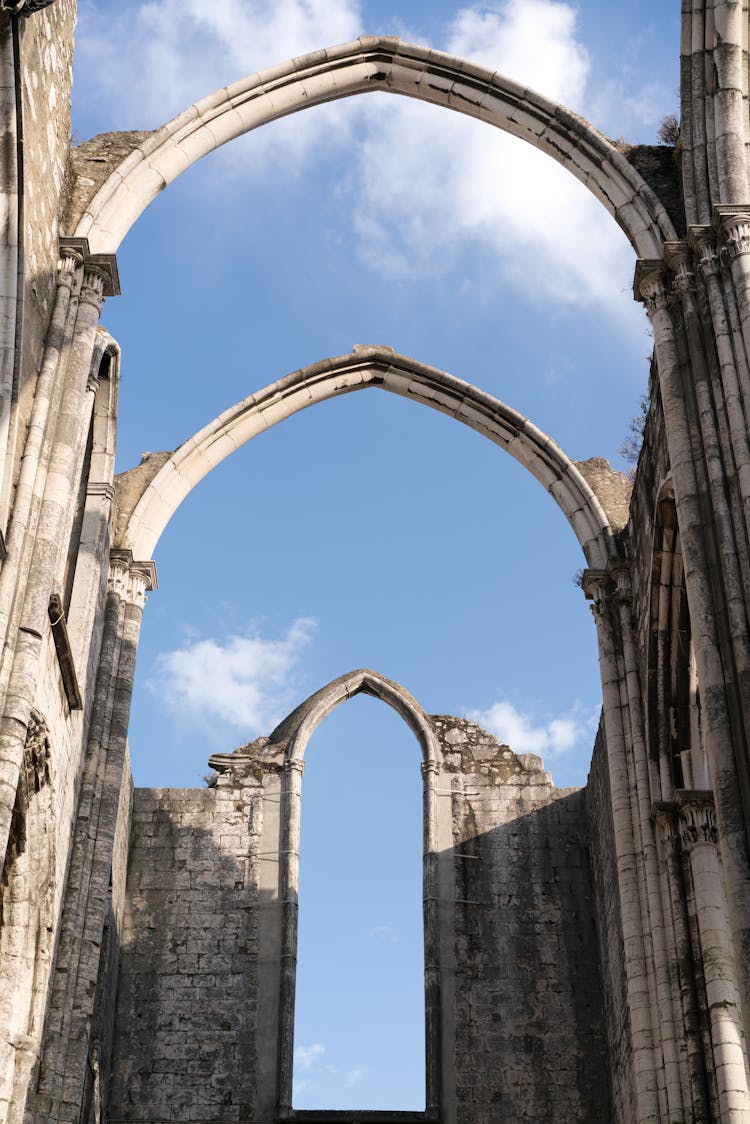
(702, 240)
(664, 818)
(679, 259)
(620, 572)
(129, 579)
(734, 226)
(294, 765)
(597, 587)
(68, 270)
(92, 287)
(651, 285)
(429, 769)
(696, 818)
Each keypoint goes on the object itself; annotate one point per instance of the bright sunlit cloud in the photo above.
(420, 186)
(244, 681)
(182, 50)
(524, 733)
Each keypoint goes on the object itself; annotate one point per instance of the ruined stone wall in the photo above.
(529, 1042)
(187, 998)
(523, 1023)
(609, 931)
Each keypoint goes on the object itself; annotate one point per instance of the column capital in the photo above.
(679, 259)
(696, 817)
(733, 225)
(664, 819)
(651, 285)
(294, 765)
(103, 265)
(704, 244)
(620, 572)
(429, 769)
(130, 579)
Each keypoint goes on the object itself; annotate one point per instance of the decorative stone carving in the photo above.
(696, 817)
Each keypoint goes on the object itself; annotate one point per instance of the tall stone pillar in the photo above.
(87, 899)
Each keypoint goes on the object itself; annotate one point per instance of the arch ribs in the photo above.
(368, 64)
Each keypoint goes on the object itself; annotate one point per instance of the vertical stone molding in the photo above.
(697, 826)
(27, 892)
(68, 1042)
(600, 587)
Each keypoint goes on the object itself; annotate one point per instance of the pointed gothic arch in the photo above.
(373, 63)
(145, 509)
(291, 737)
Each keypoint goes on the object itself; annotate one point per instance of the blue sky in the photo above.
(370, 531)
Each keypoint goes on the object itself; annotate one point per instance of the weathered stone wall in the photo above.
(528, 1004)
(609, 930)
(187, 998)
(523, 1014)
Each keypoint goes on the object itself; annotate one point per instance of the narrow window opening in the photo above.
(360, 1003)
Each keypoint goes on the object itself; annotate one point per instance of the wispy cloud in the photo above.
(306, 1056)
(245, 681)
(386, 934)
(549, 737)
(150, 59)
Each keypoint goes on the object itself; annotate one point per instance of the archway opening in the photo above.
(359, 1009)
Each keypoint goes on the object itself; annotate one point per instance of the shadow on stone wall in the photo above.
(529, 1042)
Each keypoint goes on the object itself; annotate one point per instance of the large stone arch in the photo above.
(145, 507)
(367, 64)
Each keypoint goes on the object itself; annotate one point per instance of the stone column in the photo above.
(652, 907)
(68, 1031)
(711, 655)
(55, 489)
(683, 982)
(598, 585)
(291, 810)
(698, 836)
(432, 997)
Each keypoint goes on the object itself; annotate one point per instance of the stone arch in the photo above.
(146, 506)
(367, 64)
(291, 738)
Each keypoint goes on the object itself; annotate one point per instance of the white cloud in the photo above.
(306, 1056)
(422, 185)
(532, 41)
(354, 1076)
(152, 58)
(444, 183)
(548, 738)
(245, 681)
